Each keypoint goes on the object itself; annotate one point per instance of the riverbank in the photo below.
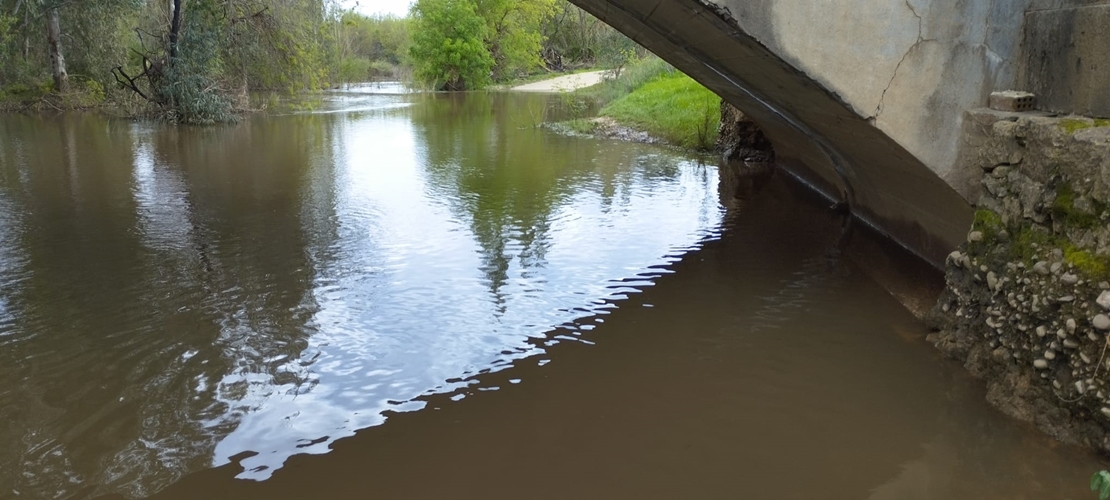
(564, 83)
(649, 102)
(23, 98)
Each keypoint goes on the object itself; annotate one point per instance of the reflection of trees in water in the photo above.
(168, 292)
(486, 158)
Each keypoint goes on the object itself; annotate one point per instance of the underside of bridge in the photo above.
(816, 133)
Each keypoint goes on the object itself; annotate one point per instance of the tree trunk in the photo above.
(57, 61)
(175, 30)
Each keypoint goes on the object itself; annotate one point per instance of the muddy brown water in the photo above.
(426, 296)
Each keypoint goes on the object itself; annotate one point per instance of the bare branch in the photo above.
(130, 83)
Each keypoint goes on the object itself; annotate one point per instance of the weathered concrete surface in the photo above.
(815, 77)
(911, 66)
(1066, 59)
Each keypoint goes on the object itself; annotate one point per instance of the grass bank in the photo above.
(83, 94)
(654, 97)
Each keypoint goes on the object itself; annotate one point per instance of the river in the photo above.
(428, 296)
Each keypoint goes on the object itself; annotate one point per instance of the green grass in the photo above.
(1071, 125)
(632, 77)
(672, 107)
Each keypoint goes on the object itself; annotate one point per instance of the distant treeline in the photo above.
(195, 61)
(466, 44)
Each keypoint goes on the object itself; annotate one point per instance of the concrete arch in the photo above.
(864, 99)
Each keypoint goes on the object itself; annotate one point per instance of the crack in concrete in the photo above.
(987, 31)
(920, 39)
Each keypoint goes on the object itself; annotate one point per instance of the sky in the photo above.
(371, 7)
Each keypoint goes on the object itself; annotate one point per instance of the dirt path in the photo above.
(563, 83)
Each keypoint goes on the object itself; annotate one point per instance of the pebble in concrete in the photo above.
(1041, 268)
(1101, 322)
(1041, 364)
(1104, 299)
(975, 236)
(1069, 279)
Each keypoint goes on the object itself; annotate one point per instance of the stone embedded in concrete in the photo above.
(1056, 201)
(1103, 298)
(1013, 101)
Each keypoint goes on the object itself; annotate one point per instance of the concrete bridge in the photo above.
(865, 99)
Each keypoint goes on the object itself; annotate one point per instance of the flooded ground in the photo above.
(428, 296)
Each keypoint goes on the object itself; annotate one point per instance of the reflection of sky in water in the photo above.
(162, 198)
(9, 263)
(403, 303)
(171, 297)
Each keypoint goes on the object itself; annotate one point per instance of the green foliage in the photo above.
(190, 85)
(372, 48)
(580, 39)
(513, 35)
(466, 44)
(635, 76)
(673, 107)
(1100, 482)
(354, 69)
(273, 45)
(447, 45)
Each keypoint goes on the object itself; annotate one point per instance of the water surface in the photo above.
(503, 312)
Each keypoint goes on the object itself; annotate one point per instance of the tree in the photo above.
(54, 40)
(215, 51)
(574, 36)
(448, 46)
(513, 33)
